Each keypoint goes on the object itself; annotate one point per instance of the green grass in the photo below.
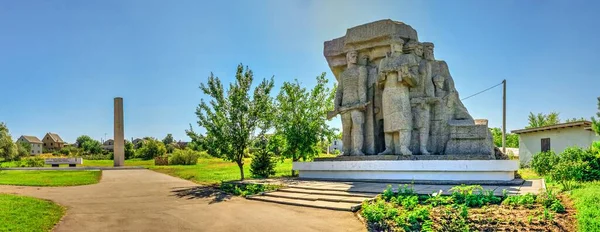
(528, 174)
(587, 203)
(213, 170)
(18, 213)
(49, 178)
(110, 163)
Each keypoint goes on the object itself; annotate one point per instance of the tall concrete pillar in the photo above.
(119, 136)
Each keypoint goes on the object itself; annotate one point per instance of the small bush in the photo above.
(262, 165)
(31, 162)
(151, 148)
(543, 162)
(96, 157)
(240, 189)
(65, 151)
(184, 157)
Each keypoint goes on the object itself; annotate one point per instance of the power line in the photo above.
(481, 91)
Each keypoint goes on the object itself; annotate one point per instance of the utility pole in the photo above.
(504, 117)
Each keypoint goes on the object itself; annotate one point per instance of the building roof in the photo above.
(584, 124)
(55, 137)
(31, 139)
(107, 142)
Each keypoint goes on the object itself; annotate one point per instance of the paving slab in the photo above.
(144, 200)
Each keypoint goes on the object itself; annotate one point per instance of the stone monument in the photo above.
(402, 118)
(119, 134)
(389, 102)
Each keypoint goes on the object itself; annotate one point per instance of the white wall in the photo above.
(531, 144)
(36, 148)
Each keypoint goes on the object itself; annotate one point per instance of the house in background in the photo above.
(108, 145)
(36, 144)
(53, 142)
(555, 137)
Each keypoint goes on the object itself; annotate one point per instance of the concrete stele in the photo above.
(119, 134)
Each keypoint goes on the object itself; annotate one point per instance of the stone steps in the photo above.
(316, 198)
(341, 206)
(321, 191)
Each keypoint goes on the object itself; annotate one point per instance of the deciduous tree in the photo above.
(168, 139)
(301, 119)
(512, 140)
(541, 119)
(151, 148)
(596, 122)
(8, 149)
(232, 117)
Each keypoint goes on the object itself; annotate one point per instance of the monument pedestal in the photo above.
(409, 171)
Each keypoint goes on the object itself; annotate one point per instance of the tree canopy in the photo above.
(301, 118)
(596, 122)
(512, 140)
(8, 149)
(168, 139)
(232, 117)
(541, 119)
(82, 139)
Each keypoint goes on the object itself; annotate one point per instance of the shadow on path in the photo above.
(201, 192)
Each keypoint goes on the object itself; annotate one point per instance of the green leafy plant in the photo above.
(232, 116)
(184, 157)
(263, 163)
(543, 162)
(151, 148)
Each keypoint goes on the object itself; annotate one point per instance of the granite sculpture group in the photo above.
(395, 98)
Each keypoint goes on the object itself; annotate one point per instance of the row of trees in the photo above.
(512, 140)
(540, 119)
(9, 150)
(239, 116)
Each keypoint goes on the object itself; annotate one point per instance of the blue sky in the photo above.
(62, 62)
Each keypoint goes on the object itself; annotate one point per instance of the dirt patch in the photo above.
(507, 218)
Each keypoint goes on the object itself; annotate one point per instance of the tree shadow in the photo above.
(202, 192)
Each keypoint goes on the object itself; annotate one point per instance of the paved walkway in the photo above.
(143, 200)
(528, 186)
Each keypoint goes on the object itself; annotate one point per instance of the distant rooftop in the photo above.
(586, 125)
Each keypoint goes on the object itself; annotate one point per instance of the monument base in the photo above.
(412, 171)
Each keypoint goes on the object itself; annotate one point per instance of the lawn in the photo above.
(49, 178)
(18, 213)
(213, 170)
(587, 202)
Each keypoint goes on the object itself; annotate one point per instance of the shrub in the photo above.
(567, 173)
(262, 165)
(151, 148)
(184, 157)
(241, 189)
(31, 162)
(65, 151)
(543, 162)
(96, 157)
(23, 150)
(129, 151)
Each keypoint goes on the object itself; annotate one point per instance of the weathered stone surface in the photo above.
(398, 98)
(407, 157)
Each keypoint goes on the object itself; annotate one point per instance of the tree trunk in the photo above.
(294, 171)
(241, 166)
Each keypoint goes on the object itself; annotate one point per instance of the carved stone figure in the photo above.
(399, 102)
(396, 74)
(422, 95)
(350, 102)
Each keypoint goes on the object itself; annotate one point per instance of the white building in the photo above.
(36, 144)
(336, 145)
(555, 137)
